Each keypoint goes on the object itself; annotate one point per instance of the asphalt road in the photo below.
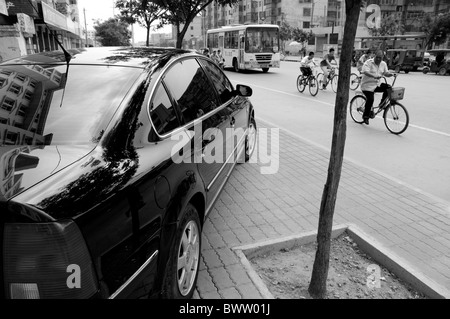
(419, 158)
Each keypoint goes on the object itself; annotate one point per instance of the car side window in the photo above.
(191, 89)
(162, 112)
(222, 84)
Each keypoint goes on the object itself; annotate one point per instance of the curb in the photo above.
(370, 246)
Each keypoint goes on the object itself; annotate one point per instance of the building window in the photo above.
(306, 12)
(306, 24)
(21, 77)
(15, 88)
(8, 104)
(22, 110)
(7, 73)
(28, 95)
(3, 82)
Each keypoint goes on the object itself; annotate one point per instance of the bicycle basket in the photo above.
(396, 93)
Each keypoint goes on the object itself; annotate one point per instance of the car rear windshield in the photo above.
(48, 104)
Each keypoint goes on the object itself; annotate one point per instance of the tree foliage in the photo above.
(301, 35)
(389, 26)
(285, 31)
(113, 32)
(181, 13)
(436, 28)
(143, 12)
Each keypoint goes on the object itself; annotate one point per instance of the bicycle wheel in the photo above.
(313, 86)
(354, 81)
(301, 83)
(334, 83)
(357, 105)
(319, 79)
(396, 118)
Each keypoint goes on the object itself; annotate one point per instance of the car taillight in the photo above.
(47, 260)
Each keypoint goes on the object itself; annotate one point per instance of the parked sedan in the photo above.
(111, 160)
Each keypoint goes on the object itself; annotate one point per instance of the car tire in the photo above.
(181, 273)
(425, 70)
(250, 139)
(442, 71)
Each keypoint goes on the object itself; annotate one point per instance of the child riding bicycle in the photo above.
(306, 64)
(325, 65)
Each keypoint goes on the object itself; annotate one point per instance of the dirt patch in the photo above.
(352, 273)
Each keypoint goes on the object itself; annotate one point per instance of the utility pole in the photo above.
(85, 27)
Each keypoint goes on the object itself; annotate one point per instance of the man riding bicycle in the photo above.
(373, 70)
(307, 63)
(325, 65)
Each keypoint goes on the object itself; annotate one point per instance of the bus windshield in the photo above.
(261, 40)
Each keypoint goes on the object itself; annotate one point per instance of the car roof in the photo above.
(119, 56)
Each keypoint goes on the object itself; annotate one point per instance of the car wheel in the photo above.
(442, 71)
(425, 70)
(250, 140)
(182, 269)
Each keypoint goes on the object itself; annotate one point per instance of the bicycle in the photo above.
(396, 117)
(332, 78)
(355, 81)
(310, 81)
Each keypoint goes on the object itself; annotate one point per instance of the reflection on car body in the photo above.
(90, 194)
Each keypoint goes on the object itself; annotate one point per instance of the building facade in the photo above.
(30, 26)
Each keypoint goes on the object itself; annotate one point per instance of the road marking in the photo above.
(329, 104)
(296, 95)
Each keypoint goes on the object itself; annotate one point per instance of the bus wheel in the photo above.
(235, 65)
(265, 70)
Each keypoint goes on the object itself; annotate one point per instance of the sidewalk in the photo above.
(255, 207)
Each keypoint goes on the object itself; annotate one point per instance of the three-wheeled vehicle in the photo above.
(439, 61)
(404, 59)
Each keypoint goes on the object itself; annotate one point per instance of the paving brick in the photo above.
(238, 274)
(227, 256)
(211, 259)
(243, 235)
(229, 293)
(221, 278)
(229, 238)
(205, 283)
(248, 291)
(216, 240)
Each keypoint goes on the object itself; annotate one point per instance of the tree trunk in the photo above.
(147, 42)
(317, 287)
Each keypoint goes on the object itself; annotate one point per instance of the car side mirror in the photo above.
(244, 90)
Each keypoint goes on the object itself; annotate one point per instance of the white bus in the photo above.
(246, 47)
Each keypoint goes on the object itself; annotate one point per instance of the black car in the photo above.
(111, 160)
